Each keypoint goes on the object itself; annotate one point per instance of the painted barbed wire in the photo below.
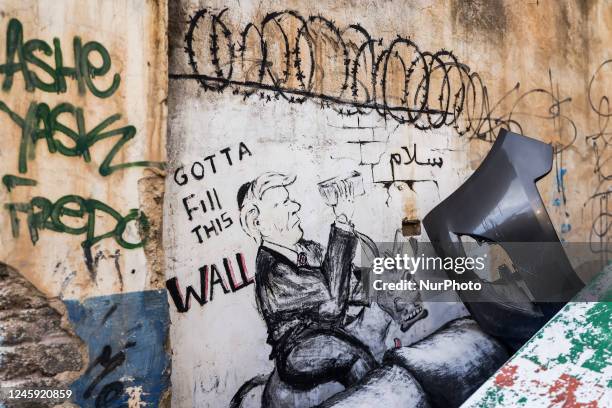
(281, 58)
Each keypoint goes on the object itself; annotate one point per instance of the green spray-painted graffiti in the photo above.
(70, 214)
(42, 122)
(20, 54)
(10, 182)
(44, 214)
(41, 213)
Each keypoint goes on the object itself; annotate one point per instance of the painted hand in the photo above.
(345, 206)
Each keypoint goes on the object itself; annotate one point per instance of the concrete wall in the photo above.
(411, 95)
(39, 348)
(82, 109)
(319, 90)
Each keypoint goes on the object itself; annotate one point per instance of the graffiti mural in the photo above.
(599, 142)
(356, 128)
(126, 336)
(42, 122)
(82, 164)
(279, 58)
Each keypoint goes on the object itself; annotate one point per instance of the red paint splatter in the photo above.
(505, 378)
(564, 390)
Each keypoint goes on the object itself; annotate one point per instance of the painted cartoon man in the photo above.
(303, 292)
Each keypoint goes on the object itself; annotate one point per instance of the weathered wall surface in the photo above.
(80, 142)
(39, 348)
(82, 109)
(409, 94)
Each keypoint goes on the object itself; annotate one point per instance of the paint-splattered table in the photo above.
(568, 363)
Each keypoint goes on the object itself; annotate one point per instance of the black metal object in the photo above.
(500, 203)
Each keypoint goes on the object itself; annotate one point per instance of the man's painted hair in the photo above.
(249, 195)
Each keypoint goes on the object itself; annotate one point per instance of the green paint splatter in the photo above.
(494, 396)
(598, 338)
(591, 333)
(534, 359)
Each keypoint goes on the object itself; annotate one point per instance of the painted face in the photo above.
(408, 313)
(278, 219)
(406, 309)
(409, 308)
